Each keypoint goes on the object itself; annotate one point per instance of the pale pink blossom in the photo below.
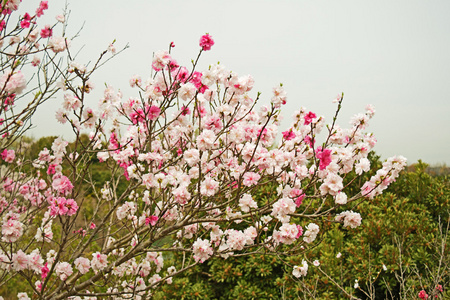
(12, 230)
(250, 178)
(206, 140)
(58, 44)
(99, 261)
(160, 60)
(187, 91)
(246, 202)
(23, 296)
(350, 219)
(311, 232)
(282, 208)
(36, 262)
(209, 187)
(362, 166)
(13, 83)
(63, 270)
(60, 18)
(287, 234)
(20, 261)
(340, 198)
(300, 271)
(202, 250)
(82, 264)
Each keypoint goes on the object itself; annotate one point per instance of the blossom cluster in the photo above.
(186, 158)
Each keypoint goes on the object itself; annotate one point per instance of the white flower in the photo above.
(310, 235)
(341, 198)
(300, 271)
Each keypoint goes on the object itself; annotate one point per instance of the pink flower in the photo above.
(62, 184)
(206, 42)
(312, 230)
(46, 32)
(423, 295)
(309, 117)
(82, 264)
(202, 250)
(287, 234)
(13, 83)
(36, 61)
(58, 44)
(246, 202)
(160, 60)
(42, 6)
(151, 220)
(299, 200)
(153, 112)
(63, 270)
(44, 271)
(350, 218)
(51, 169)
(209, 187)
(8, 155)
(300, 271)
(251, 178)
(92, 226)
(309, 141)
(300, 231)
(99, 261)
(71, 207)
(25, 23)
(135, 81)
(12, 230)
(20, 261)
(185, 110)
(58, 206)
(324, 156)
(288, 135)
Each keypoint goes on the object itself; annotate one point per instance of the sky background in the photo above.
(392, 54)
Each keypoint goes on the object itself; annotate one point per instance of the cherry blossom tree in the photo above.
(184, 156)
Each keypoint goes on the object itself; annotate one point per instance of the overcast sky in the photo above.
(392, 54)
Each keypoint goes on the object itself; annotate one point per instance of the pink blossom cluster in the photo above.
(186, 157)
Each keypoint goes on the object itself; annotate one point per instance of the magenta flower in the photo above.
(151, 220)
(46, 32)
(309, 117)
(42, 6)
(44, 271)
(206, 42)
(288, 135)
(25, 23)
(423, 295)
(299, 200)
(324, 156)
(153, 112)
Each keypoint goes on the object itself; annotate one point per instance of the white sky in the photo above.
(392, 54)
